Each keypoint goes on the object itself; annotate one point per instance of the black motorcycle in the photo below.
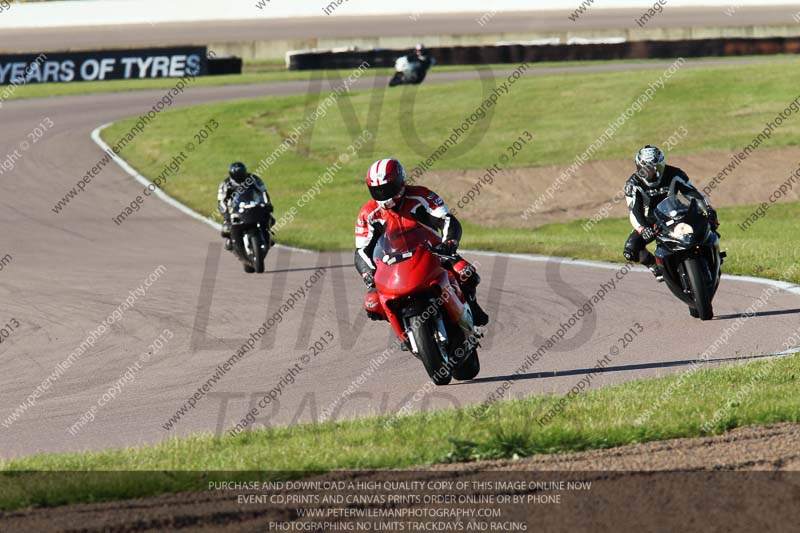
(409, 72)
(688, 252)
(251, 227)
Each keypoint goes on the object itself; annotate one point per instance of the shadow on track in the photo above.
(764, 313)
(620, 368)
(307, 269)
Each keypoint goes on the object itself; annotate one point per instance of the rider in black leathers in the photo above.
(644, 190)
(238, 177)
(423, 58)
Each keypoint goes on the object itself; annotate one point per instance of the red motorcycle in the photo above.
(424, 303)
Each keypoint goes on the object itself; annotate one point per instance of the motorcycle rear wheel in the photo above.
(429, 350)
(700, 291)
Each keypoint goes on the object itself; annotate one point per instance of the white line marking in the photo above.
(788, 287)
(146, 182)
(183, 208)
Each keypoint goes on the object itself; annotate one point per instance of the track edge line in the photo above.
(183, 208)
(180, 206)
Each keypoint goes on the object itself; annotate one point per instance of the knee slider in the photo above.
(629, 254)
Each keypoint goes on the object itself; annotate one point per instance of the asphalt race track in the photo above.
(70, 271)
(342, 26)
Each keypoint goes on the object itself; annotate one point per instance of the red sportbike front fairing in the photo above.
(424, 303)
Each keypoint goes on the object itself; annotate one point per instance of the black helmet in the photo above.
(238, 172)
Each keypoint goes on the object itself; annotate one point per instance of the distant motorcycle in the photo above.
(251, 227)
(409, 72)
(688, 252)
(425, 305)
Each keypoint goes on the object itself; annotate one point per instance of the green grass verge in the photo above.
(768, 249)
(759, 393)
(721, 107)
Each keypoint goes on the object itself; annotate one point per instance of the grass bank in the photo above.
(755, 393)
(722, 107)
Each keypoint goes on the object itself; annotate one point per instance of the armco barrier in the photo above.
(480, 55)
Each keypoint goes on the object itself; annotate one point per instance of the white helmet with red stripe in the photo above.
(386, 180)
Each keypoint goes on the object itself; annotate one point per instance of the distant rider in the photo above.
(644, 190)
(238, 178)
(386, 180)
(422, 57)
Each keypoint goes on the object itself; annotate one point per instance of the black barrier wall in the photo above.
(478, 55)
(146, 63)
(218, 66)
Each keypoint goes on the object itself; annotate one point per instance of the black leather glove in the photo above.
(369, 279)
(648, 233)
(446, 247)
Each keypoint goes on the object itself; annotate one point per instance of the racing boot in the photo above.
(657, 271)
(226, 234)
(372, 305)
(479, 316)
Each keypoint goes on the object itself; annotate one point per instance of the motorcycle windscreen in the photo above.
(249, 207)
(399, 243)
(678, 211)
(404, 265)
(248, 196)
(679, 205)
(673, 207)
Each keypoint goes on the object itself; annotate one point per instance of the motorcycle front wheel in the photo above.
(469, 364)
(397, 79)
(469, 368)
(256, 249)
(429, 350)
(695, 268)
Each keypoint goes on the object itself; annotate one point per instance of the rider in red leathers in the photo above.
(386, 180)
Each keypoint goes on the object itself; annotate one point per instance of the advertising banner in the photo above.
(101, 65)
